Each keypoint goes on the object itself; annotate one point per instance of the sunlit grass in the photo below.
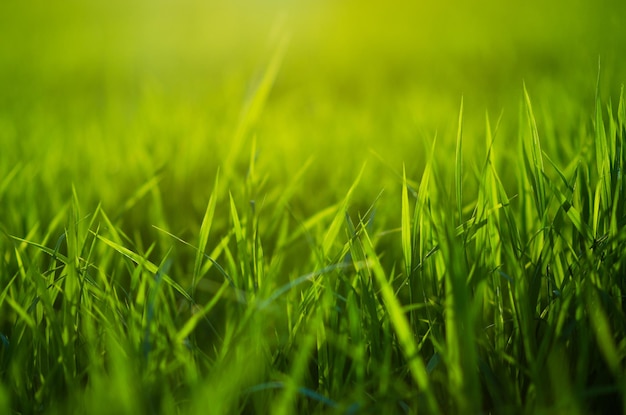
(329, 208)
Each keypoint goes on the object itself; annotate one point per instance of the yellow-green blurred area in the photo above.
(106, 94)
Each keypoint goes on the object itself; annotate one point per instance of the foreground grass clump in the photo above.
(459, 293)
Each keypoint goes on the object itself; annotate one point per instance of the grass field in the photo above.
(321, 207)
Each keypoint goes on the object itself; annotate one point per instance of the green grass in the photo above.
(343, 208)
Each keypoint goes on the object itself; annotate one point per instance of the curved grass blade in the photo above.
(139, 260)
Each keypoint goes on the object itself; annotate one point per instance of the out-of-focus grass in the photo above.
(164, 83)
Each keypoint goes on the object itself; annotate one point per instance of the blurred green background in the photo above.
(104, 94)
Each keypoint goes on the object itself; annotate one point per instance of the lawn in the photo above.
(312, 207)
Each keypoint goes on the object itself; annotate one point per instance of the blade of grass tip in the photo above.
(419, 219)
(203, 238)
(490, 136)
(402, 328)
(258, 259)
(73, 243)
(337, 223)
(90, 252)
(242, 248)
(597, 210)
(491, 187)
(257, 100)
(406, 226)
(421, 225)
(603, 158)
(489, 140)
(536, 154)
(458, 171)
(422, 230)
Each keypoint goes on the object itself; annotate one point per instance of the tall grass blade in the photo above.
(256, 101)
(406, 226)
(335, 227)
(203, 237)
(458, 166)
(535, 163)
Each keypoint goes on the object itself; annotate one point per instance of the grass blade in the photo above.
(406, 226)
(203, 238)
(458, 166)
(401, 327)
(143, 262)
